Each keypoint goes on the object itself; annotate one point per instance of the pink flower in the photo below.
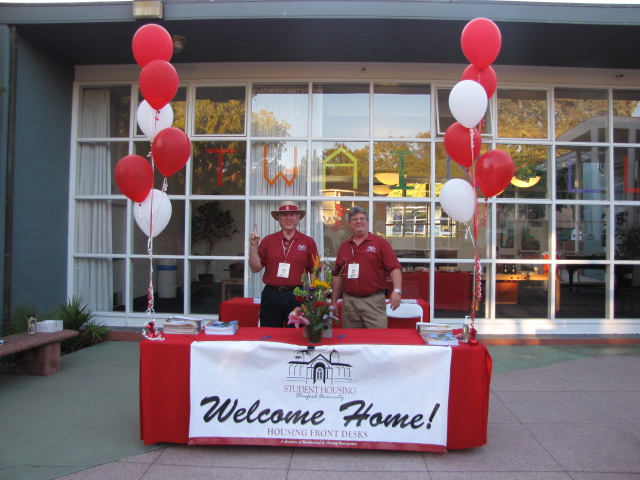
(296, 317)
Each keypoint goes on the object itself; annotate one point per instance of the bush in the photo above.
(21, 311)
(74, 316)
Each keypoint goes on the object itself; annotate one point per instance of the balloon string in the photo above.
(154, 128)
(150, 295)
(477, 277)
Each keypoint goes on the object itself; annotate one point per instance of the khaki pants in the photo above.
(364, 312)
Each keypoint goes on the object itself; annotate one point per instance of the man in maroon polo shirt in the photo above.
(285, 256)
(362, 265)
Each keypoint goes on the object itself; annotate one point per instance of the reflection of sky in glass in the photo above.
(400, 116)
(341, 115)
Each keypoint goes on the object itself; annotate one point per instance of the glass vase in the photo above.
(313, 336)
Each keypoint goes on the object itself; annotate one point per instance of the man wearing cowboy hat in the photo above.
(285, 256)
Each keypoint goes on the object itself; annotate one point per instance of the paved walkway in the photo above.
(557, 413)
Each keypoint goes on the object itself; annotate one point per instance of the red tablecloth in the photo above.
(452, 290)
(247, 312)
(164, 381)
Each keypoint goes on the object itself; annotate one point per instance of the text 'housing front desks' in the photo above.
(166, 378)
(247, 311)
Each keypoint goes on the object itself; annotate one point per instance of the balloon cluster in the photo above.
(170, 148)
(468, 100)
(493, 171)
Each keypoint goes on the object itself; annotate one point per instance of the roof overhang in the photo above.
(536, 34)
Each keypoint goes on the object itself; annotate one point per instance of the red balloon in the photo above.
(170, 149)
(457, 142)
(481, 42)
(494, 172)
(158, 83)
(134, 177)
(486, 77)
(151, 42)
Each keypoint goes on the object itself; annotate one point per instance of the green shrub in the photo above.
(77, 316)
(74, 315)
(21, 311)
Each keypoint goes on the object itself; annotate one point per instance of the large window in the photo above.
(557, 243)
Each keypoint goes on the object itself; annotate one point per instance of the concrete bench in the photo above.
(37, 354)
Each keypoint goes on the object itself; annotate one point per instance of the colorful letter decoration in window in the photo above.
(353, 163)
(265, 168)
(628, 189)
(220, 152)
(402, 184)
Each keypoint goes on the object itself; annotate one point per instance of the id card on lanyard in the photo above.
(353, 270)
(285, 267)
(283, 270)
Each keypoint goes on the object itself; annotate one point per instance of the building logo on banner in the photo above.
(321, 373)
(362, 396)
(318, 369)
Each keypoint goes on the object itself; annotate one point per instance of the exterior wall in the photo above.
(43, 125)
(4, 112)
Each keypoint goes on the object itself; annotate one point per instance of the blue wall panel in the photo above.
(4, 119)
(43, 132)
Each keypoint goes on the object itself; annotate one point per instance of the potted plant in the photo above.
(211, 223)
(529, 242)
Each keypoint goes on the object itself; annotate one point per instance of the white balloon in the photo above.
(158, 203)
(468, 102)
(458, 199)
(152, 121)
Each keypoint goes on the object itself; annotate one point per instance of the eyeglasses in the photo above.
(359, 219)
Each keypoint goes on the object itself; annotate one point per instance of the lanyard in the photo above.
(355, 253)
(287, 249)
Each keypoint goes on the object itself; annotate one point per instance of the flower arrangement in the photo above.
(315, 311)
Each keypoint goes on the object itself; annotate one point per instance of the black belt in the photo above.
(282, 288)
(370, 295)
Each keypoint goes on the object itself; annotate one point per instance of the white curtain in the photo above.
(93, 227)
(279, 165)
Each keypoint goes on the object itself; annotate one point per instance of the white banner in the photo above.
(353, 396)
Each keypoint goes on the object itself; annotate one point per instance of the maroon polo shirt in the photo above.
(299, 255)
(376, 259)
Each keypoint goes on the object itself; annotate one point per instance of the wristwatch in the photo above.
(397, 290)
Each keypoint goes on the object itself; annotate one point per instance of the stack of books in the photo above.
(216, 327)
(182, 325)
(440, 334)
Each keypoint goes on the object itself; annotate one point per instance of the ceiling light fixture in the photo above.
(522, 184)
(388, 178)
(178, 43)
(144, 9)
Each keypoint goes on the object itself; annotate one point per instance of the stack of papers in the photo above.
(216, 327)
(437, 334)
(182, 325)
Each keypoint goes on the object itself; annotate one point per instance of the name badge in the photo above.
(283, 270)
(354, 270)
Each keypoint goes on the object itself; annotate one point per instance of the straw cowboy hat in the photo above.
(288, 206)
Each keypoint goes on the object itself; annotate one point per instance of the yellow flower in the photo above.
(319, 283)
(316, 262)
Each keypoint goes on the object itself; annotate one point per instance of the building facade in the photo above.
(321, 103)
